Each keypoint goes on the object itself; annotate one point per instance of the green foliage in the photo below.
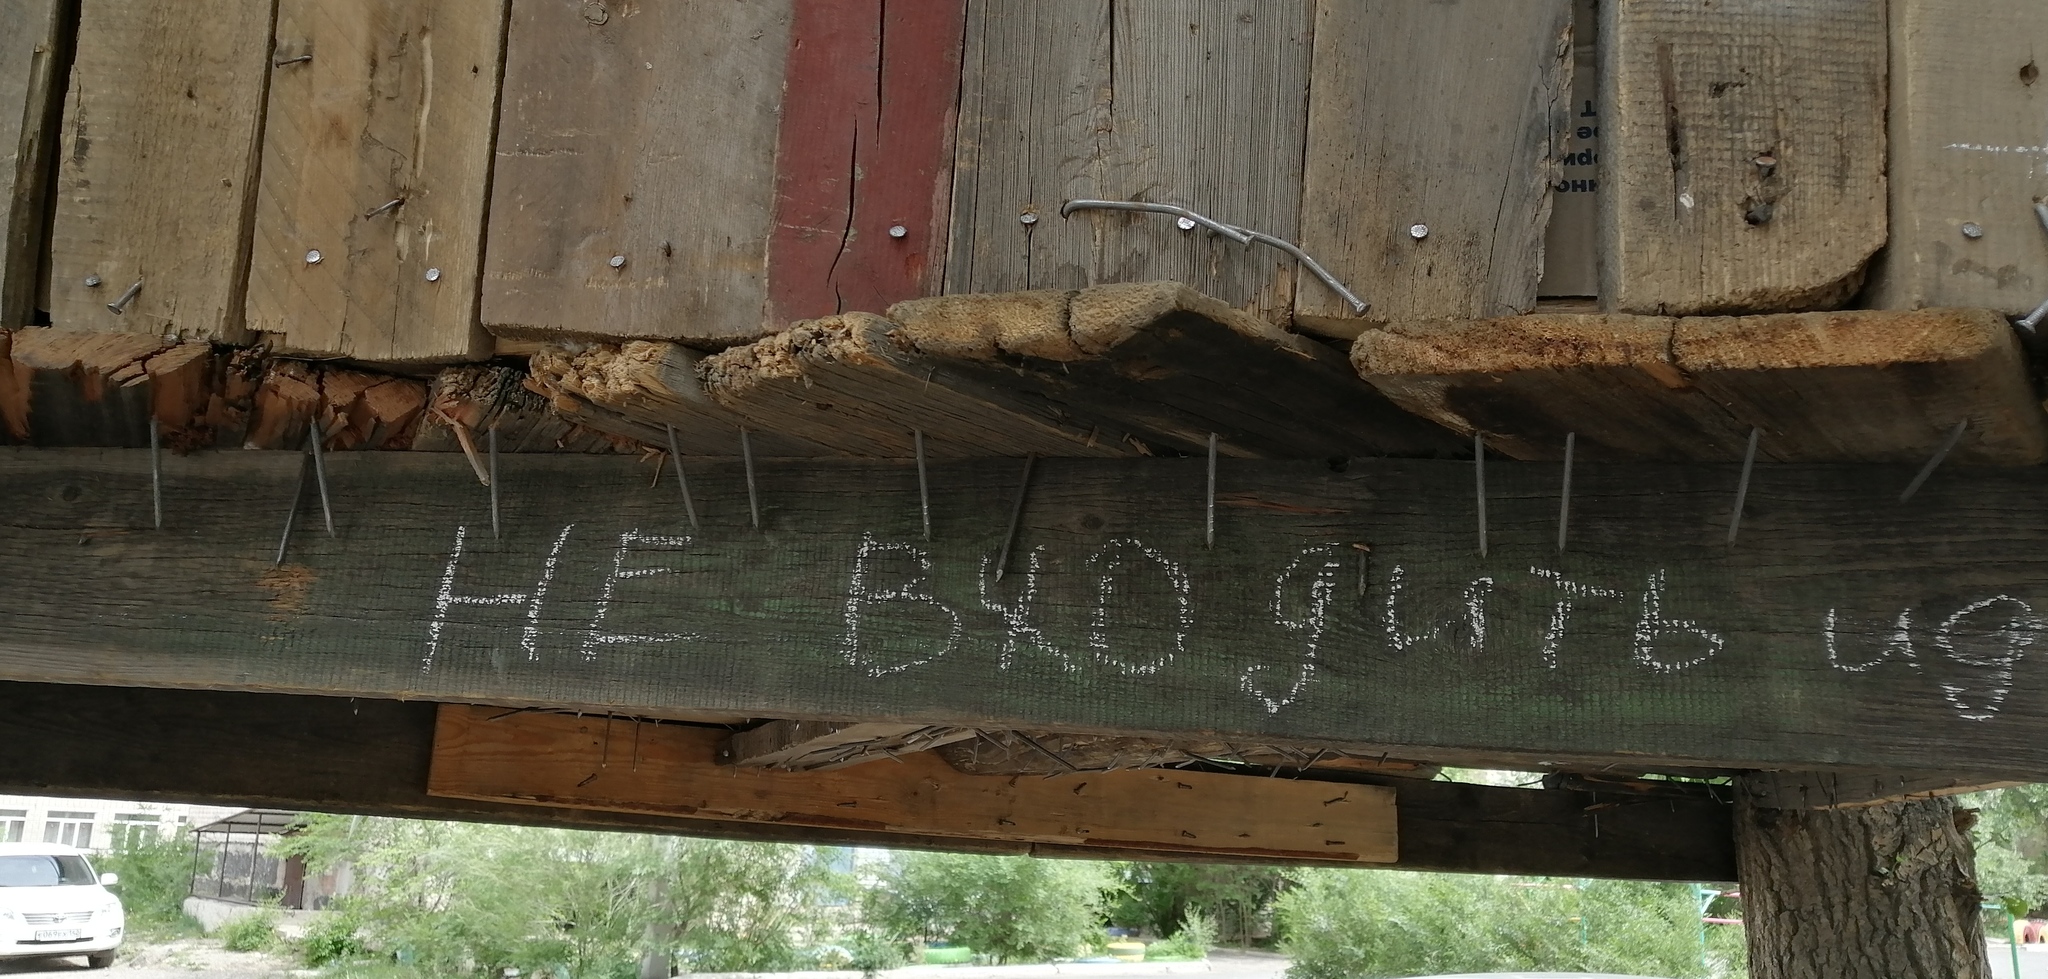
(1190, 942)
(1013, 909)
(451, 897)
(1342, 924)
(1160, 896)
(2012, 845)
(155, 874)
(252, 932)
(872, 951)
(332, 936)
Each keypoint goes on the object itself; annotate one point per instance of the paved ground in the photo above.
(183, 959)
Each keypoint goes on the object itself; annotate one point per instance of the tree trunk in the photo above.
(659, 936)
(1882, 892)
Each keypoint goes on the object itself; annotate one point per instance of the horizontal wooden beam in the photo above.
(821, 745)
(1842, 631)
(335, 754)
(595, 762)
(1854, 790)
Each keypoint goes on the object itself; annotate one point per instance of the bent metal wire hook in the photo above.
(1243, 236)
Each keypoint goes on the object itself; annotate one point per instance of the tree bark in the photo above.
(1881, 892)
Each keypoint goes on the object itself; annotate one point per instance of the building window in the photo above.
(134, 828)
(69, 828)
(13, 822)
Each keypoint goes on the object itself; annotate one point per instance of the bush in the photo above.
(252, 932)
(332, 937)
(1190, 942)
(873, 952)
(1343, 923)
(155, 875)
(1013, 909)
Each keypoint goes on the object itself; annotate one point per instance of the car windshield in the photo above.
(43, 871)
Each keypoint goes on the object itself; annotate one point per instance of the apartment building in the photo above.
(95, 824)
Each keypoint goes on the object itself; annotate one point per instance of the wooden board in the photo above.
(552, 759)
(1823, 387)
(1047, 753)
(35, 51)
(1745, 153)
(399, 103)
(72, 388)
(1844, 631)
(866, 147)
(644, 131)
(821, 745)
(642, 388)
(1199, 103)
(157, 167)
(1451, 116)
(348, 755)
(1968, 145)
(1855, 790)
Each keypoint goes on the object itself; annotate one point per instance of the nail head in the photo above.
(1184, 224)
(313, 256)
(618, 261)
(898, 231)
(1972, 229)
(92, 282)
(433, 275)
(1418, 231)
(1028, 217)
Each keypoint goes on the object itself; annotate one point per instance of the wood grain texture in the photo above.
(1745, 153)
(1845, 631)
(1854, 790)
(351, 755)
(552, 759)
(1968, 145)
(157, 167)
(1199, 103)
(1448, 115)
(399, 102)
(1823, 387)
(866, 145)
(36, 38)
(1048, 753)
(74, 388)
(814, 746)
(640, 389)
(640, 130)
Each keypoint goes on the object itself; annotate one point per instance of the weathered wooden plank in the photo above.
(1047, 753)
(1845, 631)
(1967, 147)
(1158, 367)
(822, 745)
(355, 410)
(73, 388)
(865, 148)
(463, 403)
(1823, 387)
(398, 102)
(1745, 153)
(552, 759)
(1855, 790)
(334, 754)
(1385, 157)
(642, 388)
(643, 134)
(35, 50)
(157, 167)
(1200, 103)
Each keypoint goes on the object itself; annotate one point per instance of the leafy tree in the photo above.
(2012, 845)
(1345, 923)
(1015, 909)
(1161, 896)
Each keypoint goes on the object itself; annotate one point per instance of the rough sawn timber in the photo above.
(1048, 753)
(1968, 146)
(1199, 103)
(1845, 632)
(642, 388)
(72, 388)
(398, 103)
(554, 759)
(348, 755)
(1743, 152)
(1855, 790)
(1852, 386)
(645, 131)
(821, 745)
(1452, 116)
(35, 48)
(157, 167)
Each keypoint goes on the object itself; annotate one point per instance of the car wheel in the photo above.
(99, 960)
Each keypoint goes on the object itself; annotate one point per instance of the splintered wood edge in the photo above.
(1514, 343)
(732, 374)
(989, 326)
(1105, 316)
(612, 373)
(1857, 338)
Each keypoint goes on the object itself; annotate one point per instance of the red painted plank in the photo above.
(871, 93)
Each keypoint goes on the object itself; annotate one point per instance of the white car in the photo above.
(51, 903)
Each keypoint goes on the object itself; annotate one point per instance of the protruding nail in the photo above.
(119, 306)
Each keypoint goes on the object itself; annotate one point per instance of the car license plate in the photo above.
(57, 934)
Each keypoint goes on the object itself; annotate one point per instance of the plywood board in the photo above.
(1969, 146)
(641, 133)
(157, 167)
(398, 103)
(1745, 153)
(1199, 103)
(1446, 116)
(35, 43)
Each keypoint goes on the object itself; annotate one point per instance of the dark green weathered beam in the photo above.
(1842, 631)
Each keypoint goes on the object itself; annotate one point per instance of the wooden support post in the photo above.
(1879, 892)
(1743, 152)
(377, 158)
(1199, 103)
(35, 52)
(1434, 133)
(157, 167)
